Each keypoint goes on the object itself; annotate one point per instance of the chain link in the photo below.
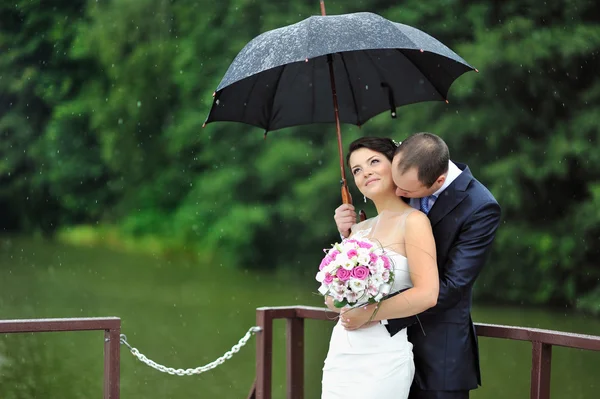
(198, 370)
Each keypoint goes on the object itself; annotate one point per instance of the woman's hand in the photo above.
(355, 318)
(330, 305)
(345, 218)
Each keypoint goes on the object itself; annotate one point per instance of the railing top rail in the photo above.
(55, 325)
(558, 338)
(551, 337)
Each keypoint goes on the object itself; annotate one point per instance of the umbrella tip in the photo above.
(265, 136)
(421, 50)
(306, 60)
(447, 102)
(476, 70)
(214, 93)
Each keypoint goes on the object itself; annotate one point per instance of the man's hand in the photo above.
(345, 218)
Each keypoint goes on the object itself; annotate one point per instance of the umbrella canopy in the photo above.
(342, 68)
(282, 78)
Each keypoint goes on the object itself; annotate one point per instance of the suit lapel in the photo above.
(453, 195)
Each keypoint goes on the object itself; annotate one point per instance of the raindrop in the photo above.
(139, 104)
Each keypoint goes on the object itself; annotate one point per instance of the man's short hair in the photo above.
(426, 152)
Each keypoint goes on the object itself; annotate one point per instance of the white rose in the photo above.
(320, 276)
(364, 252)
(345, 262)
(357, 285)
(377, 280)
(331, 268)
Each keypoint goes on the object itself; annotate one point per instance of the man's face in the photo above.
(408, 184)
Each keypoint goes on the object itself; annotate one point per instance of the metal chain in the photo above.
(198, 370)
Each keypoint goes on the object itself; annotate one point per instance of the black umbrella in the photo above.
(286, 77)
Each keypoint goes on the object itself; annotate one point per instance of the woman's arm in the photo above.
(421, 255)
(422, 264)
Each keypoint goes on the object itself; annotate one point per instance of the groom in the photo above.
(464, 217)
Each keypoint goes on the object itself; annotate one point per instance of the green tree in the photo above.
(103, 104)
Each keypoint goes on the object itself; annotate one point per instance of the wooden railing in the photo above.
(112, 331)
(541, 340)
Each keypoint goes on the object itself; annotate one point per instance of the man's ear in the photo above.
(440, 180)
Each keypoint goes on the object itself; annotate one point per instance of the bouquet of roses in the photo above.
(352, 273)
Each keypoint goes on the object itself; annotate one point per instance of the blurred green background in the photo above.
(114, 200)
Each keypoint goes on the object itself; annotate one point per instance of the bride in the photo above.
(364, 361)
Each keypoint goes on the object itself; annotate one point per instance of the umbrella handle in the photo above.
(346, 197)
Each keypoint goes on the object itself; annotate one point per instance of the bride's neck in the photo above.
(391, 203)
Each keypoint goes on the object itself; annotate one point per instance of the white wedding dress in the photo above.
(368, 363)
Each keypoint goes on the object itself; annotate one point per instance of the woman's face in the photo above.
(372, 172)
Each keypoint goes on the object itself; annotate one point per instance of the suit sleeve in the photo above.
(467, 256)
(464, 262)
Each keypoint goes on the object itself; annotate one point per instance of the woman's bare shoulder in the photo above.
(417, 222)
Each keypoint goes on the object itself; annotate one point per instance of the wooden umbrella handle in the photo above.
(347, 199)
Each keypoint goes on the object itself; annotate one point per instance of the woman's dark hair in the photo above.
(382, 145)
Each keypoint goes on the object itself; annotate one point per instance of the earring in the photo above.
(365, 197)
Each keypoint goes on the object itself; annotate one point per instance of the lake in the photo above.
(183, 314)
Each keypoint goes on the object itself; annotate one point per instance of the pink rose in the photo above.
(343, 274)
(373, 257)
(328, 278)
(364, 245)
(352, 253)
(333, 254)
(325, 262)
(386, 262)
(360, 272)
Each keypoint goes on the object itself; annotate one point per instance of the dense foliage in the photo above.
(101, 107)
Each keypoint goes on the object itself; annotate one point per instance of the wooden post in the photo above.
(295, 358)
(540, 370)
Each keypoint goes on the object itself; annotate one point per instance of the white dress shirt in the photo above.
(453, 173)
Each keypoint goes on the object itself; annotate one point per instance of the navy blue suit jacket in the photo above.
(464, 220)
